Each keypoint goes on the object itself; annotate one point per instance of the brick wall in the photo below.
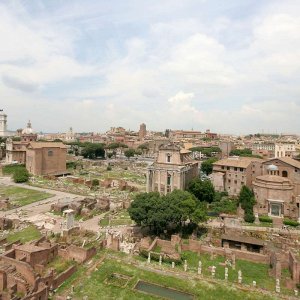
(63, 276)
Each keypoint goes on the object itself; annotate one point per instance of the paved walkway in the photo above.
(38, 207)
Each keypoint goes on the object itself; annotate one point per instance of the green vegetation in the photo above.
(208, 151)
(116, 145)
(28, 234)
(247, 201)
(250, 270)
(97, 285)
(290, 222)
(93, 151)
(207, 165)
(18, 171)
(225, 205)
(95, 183)
(129, 153)
(244, 153)
(11, 169)
(21, 175)
(203, 190)
(104, 222)
(265, 219)
(160, 212)
(60, 265)
(20, 196)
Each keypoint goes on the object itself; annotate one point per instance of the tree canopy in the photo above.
(207, 165)
(203, 190)
(129, 152)
(243, 152)
(93, 151)
(161, 212)
(208, 151)
(247, 201)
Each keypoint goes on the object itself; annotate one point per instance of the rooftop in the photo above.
(236, 161)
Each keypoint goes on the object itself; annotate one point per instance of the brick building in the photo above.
(230, 174)
(46, 158)
(277, 191)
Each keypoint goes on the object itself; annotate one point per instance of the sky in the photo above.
(230, 66)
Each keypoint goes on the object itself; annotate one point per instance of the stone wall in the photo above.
(76, 253)
(25, 269)
(63, 276)
(294, 267)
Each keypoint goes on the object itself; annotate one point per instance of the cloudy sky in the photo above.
(232, 66)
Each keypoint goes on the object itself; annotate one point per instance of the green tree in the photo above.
(161, 212)
(203, 190)
(93, 151)
(129, 153)
(20, 175)
(207, 165)
(95, 183)
(247, 201)
(140, 207)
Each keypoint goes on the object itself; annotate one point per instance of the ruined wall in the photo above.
(76, 253)
(25, 269)
(63, 276)
(294, 267)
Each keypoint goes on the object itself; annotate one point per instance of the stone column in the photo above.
(148, 181)
(159, 180)
(153, 180)
(185, 266)
(172, 181)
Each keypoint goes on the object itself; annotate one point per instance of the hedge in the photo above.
(265, 219)
(290, 222)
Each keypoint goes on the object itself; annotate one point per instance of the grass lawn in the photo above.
(26, 235)
(122, 218)
(95, 285)
(60, 264)
(20, 196)
(104, 222)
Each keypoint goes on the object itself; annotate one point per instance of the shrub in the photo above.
(10, 169)
(290, 222)
(108, 168)
(265, 219)
(21, 175)
(95, 183)
(249, 217)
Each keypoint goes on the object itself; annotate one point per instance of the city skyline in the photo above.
(232, 68)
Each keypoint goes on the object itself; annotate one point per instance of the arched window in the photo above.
(284, 174)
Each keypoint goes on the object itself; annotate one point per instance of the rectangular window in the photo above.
(50, 153)
(235, 169)
(228, 168)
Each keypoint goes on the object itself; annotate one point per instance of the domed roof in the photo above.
(28, 129)
(272, 168)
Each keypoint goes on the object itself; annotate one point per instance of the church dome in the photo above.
(28, 129)
(272, 168)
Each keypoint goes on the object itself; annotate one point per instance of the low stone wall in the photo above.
(63, 276)
(166, 246)
(196, 246)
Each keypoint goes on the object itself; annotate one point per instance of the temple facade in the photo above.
(173, 169)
